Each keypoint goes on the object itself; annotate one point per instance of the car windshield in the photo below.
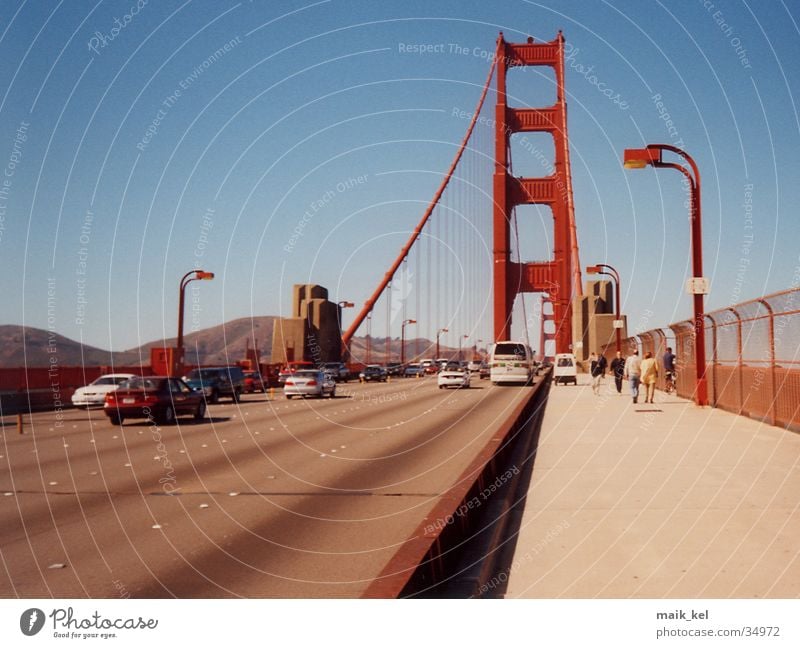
(141, 383)
(517, 351)
(305, 374)
(565, 362)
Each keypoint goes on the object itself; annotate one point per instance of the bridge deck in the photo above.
(325, 493)
(650, 501)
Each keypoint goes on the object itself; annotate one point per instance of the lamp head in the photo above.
(202, 274)
(640, 158)
(593, 269)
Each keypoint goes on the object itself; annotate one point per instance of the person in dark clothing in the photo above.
(618, 369)
(597, 368)
(669, 369)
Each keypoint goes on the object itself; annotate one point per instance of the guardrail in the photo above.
(434, 551)
(753, 357)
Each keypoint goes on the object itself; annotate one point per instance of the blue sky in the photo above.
(197, 134)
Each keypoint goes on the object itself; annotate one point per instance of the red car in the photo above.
(157, 398)
(253, 382)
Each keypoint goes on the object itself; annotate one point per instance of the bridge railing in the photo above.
(753, 357)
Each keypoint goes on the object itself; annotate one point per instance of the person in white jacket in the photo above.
(633, 373)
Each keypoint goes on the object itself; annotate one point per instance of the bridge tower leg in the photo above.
(560, 277)
(545, 336)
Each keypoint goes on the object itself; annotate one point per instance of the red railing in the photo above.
(753, 357)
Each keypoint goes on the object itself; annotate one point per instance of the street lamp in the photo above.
(341, 305)
(438, 333)
(698, 285)
(462, 338)
(403, 340)
(601, 268)
(177, 362)
(369, 337)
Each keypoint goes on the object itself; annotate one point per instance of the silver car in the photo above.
(309, 382)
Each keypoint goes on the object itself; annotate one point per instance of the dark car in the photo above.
(157, 398)
(338, 370)
(373, 372)
(394, 369)
(216, 382)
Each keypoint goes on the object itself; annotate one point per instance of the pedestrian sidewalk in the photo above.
(651, 501)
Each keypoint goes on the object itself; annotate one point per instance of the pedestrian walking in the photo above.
(649, 375)
(597, 368)
(618, 369)
(633, 373)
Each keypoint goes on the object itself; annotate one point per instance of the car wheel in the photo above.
(200, 414)
(236, 396)
(116, 419)
(333, 392)
(289, 397)
(168, 416)
(214, 396)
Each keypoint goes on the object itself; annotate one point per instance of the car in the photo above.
(338, 370)
(394, 369)
(216, 382)
(511, 362)
(453, 376)
(474, 366)
(565, 369)
(157, 398)
(309, 382)
(291, 367)
(414, 370)
(253, 382)
(429, 366)
(373, 372)
(94, 394)
(484, 371)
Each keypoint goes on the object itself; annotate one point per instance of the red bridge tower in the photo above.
(560, 278)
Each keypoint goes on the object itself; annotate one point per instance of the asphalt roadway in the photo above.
(267, 498)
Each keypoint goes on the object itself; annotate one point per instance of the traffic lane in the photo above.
(219, 551)
(248, 467)
(115, 459)
(243, 468)
(49, 442)
(246, 532)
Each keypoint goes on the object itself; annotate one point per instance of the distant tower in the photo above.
(560, 278)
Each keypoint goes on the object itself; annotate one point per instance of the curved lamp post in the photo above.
(438, 333)
(193, 275)
(697, 285)
(343, 304)
(611, 271)
(403, 340)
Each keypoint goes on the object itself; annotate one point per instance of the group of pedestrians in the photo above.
(637, 371)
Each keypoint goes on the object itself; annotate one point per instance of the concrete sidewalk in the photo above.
(651, 501)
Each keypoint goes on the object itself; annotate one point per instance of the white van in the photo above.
(510, 362)
(565, 369)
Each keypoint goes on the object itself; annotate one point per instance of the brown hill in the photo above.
(34, 347)
(22, 346)
(223, 344)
